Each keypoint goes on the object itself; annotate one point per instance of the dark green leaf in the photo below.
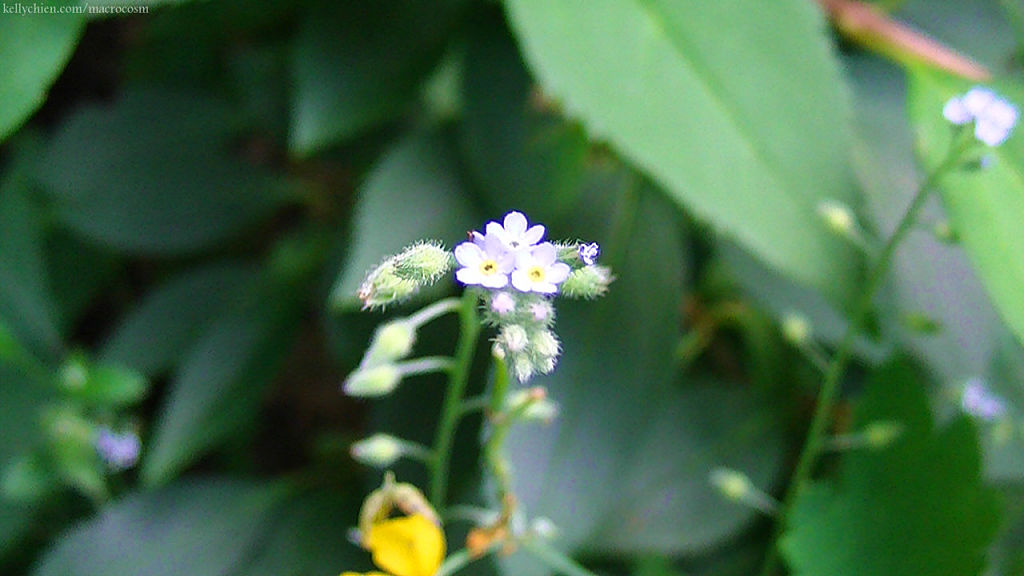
(985, 207)
(414, 193)
(358, 64)
(33, 48)
(199, 528)
(153, 337)
(153, 174)
(749, 138)
(525, 157)
(916, 508)
(622, 417)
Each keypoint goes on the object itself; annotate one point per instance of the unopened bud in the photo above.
(392, 341)
(838, 216)
(513, 338)
(379, 450)
(544, 343)
(384, 286)
(391, 495)
(423, 263)
(731, 484)
(375, 381)
(796, 329)
(880, 434)
(533, 404)
(502, 304)
(588, 282)
(542, 310)
(523, 368)
(498, 351)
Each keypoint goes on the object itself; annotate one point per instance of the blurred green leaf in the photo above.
(749, 138)
(153, 174)
(414, 193)
(34, 49)
(152, 337)
(199, 528)
(105, 385)
(79, 273)
(985, 207)
(525, 157)
(1003, 439)
(26, 306)
(217, 390)
(916, 508)
(621, 414)
(357, 64)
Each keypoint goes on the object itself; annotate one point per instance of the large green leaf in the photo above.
(153, 337)
(415, 192)
(985, 207)
(33, 48)
(200, 528)
(25, 305)
(625, 466)
(217, 389)
(735, 107)
(915, 508)
(524, 156)
(153, 174)
(358, 64)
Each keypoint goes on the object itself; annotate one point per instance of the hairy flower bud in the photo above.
(379, 450)
(588, 282)
(392, 341)
(384, 286)
(423, 263)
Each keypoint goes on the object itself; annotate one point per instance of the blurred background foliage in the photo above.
(189, 198)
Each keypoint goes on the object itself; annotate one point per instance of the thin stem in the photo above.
(454, 562)
(554, 559)
(426, 365)
(475, 404)
(833, 375)
(469, 331)
(435, 310)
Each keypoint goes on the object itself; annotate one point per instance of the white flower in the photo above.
(515, 232)
(538, 270)
(993, 117)
(487, 265)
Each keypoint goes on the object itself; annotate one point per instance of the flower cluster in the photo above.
(511, 251)
(993, 117)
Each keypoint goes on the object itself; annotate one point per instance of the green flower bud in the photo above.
(731, 484)
(796, 329)
(588, 282)
(533, 404)
(423, 263)
(384, 286)
(392, 341)
(523, 368)
(379, 450)
(513, 338)
(544, 343)
(375, 381)
(838, 216)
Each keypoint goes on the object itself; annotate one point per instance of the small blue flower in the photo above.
(538, 270)
(589, 253)
(993, 117)
(515, 232)
(119, 451)
(977, 400)
(485, 262)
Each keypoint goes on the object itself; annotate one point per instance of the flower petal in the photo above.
(557, 272)
(469, 254)
(545, 254)
(515, 224)
(407, 546)
(533, 235)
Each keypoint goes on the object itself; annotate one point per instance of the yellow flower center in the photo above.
(489, 267)
(536, 273)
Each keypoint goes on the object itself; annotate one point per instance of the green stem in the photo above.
(833, 375)
(554, 559)
(458, 377)
(435, 310)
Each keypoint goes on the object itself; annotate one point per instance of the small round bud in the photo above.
(379, 450)
(542, 310)
(544, 343)
(523, 368)
(796, 329)
(384, 286)
(731, 484)
(503, 304)
(391, 341)
(376, 381)
(588, 282)
(838, 216)
(513, 338)
(543, 527)
(423, 263)
(882, 433)
(498, 351)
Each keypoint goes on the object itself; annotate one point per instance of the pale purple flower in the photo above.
(119, 451)
(502, 303)
(538, 270)
(486, 263)
(993, 117)
(515, 232)
(589, 253)
(981, 402)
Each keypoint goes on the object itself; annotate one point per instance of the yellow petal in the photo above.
(407, 546)
(367, 574)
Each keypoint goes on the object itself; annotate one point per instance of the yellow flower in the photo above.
(405, 546)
